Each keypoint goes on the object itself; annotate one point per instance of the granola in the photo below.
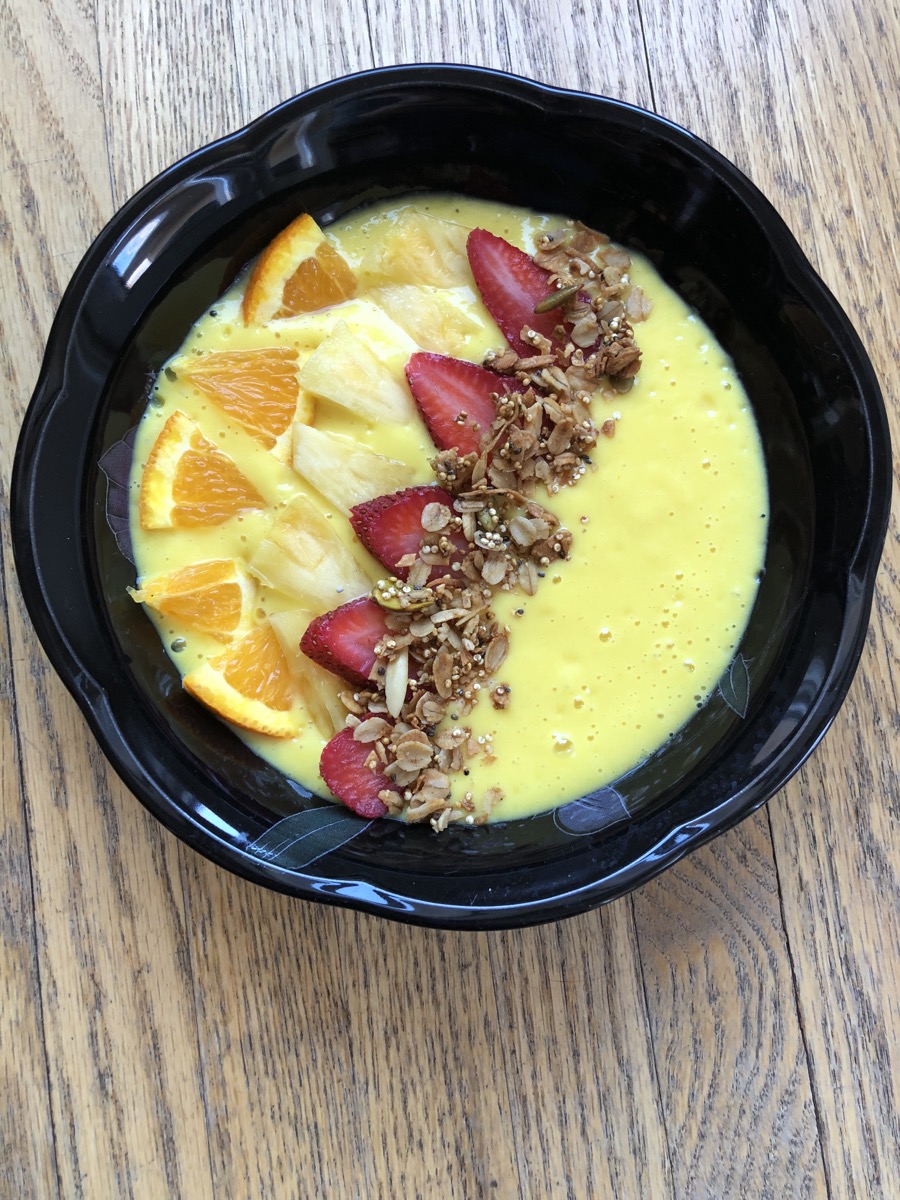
(445, 645)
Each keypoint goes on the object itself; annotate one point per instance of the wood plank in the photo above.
(555, 43)
(358, 1056)
(842, 907)
(728, 1046)
(39, 139)
(116, 1000)
(118, 1006)
(822, 144)
(282, 50)
(27, 1140)
(170, 84)
(584, 1098)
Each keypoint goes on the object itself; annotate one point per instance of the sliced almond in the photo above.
(396, 681)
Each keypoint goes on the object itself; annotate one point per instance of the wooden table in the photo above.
(167, 1030)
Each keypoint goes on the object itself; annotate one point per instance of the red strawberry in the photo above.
(344, 639)
(444, 388)
(343, 767)
(511, 284)
(391, 526)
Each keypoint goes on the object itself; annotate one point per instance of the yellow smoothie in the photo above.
(622, 643)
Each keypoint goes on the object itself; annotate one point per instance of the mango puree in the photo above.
(621, 645)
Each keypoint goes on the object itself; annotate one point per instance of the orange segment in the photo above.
(298, 272)
(216, 596)
(188, 481)
(250, 685)
(257, 388)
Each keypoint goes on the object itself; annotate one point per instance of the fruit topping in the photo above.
(299, 271)
(305, 558)
(345, 767)
(344, 640)
(319, 690)
(189, 481)
(395, 528)
(347, 372)
(249, 684)
(511, 285)
(257, 388)
(216, 596)
(431, 320)
(345, 471)
(419, 249)
(456, 399)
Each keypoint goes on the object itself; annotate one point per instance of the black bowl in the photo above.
(175, 246)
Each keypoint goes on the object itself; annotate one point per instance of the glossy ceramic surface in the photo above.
(176, 245)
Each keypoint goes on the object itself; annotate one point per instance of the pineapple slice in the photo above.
(362, 316)
(430, 319)
(343, 369)
(343, 470)
(304, 557)
(319, 689)
(421, 249)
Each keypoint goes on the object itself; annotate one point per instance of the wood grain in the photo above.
(170, 1031)
(374, 1049)
(116, 1006)
(169, 85)
(822, 143)
(731, 1059)
(27, 1149)
(281, 50)
(589, 1122)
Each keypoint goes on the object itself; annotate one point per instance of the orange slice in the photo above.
(188, 481)
(216, 596)
(250, 685)
(296, 273)
(257, 388)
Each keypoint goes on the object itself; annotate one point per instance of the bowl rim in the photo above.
(99, 708)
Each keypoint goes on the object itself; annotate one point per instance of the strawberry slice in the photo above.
(343, 767)
(344, 639)
(455, 399)
(511, 284)
(391, 526)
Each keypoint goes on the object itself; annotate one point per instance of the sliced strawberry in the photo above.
(343, 767)
(455, 399)
(344, 639)
(391, 526)
(511, 284)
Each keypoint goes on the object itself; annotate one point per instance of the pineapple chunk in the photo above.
(305, 558)
(319, 689)
(343, 369)
(419, 249)
(343, 470)
(363, 318)
(430, 319)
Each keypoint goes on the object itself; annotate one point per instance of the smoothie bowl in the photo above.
(633, 600)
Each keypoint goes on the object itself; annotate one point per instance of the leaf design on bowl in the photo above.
(116, 466)
(600, 810)
(298, 840)
(734, 686)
